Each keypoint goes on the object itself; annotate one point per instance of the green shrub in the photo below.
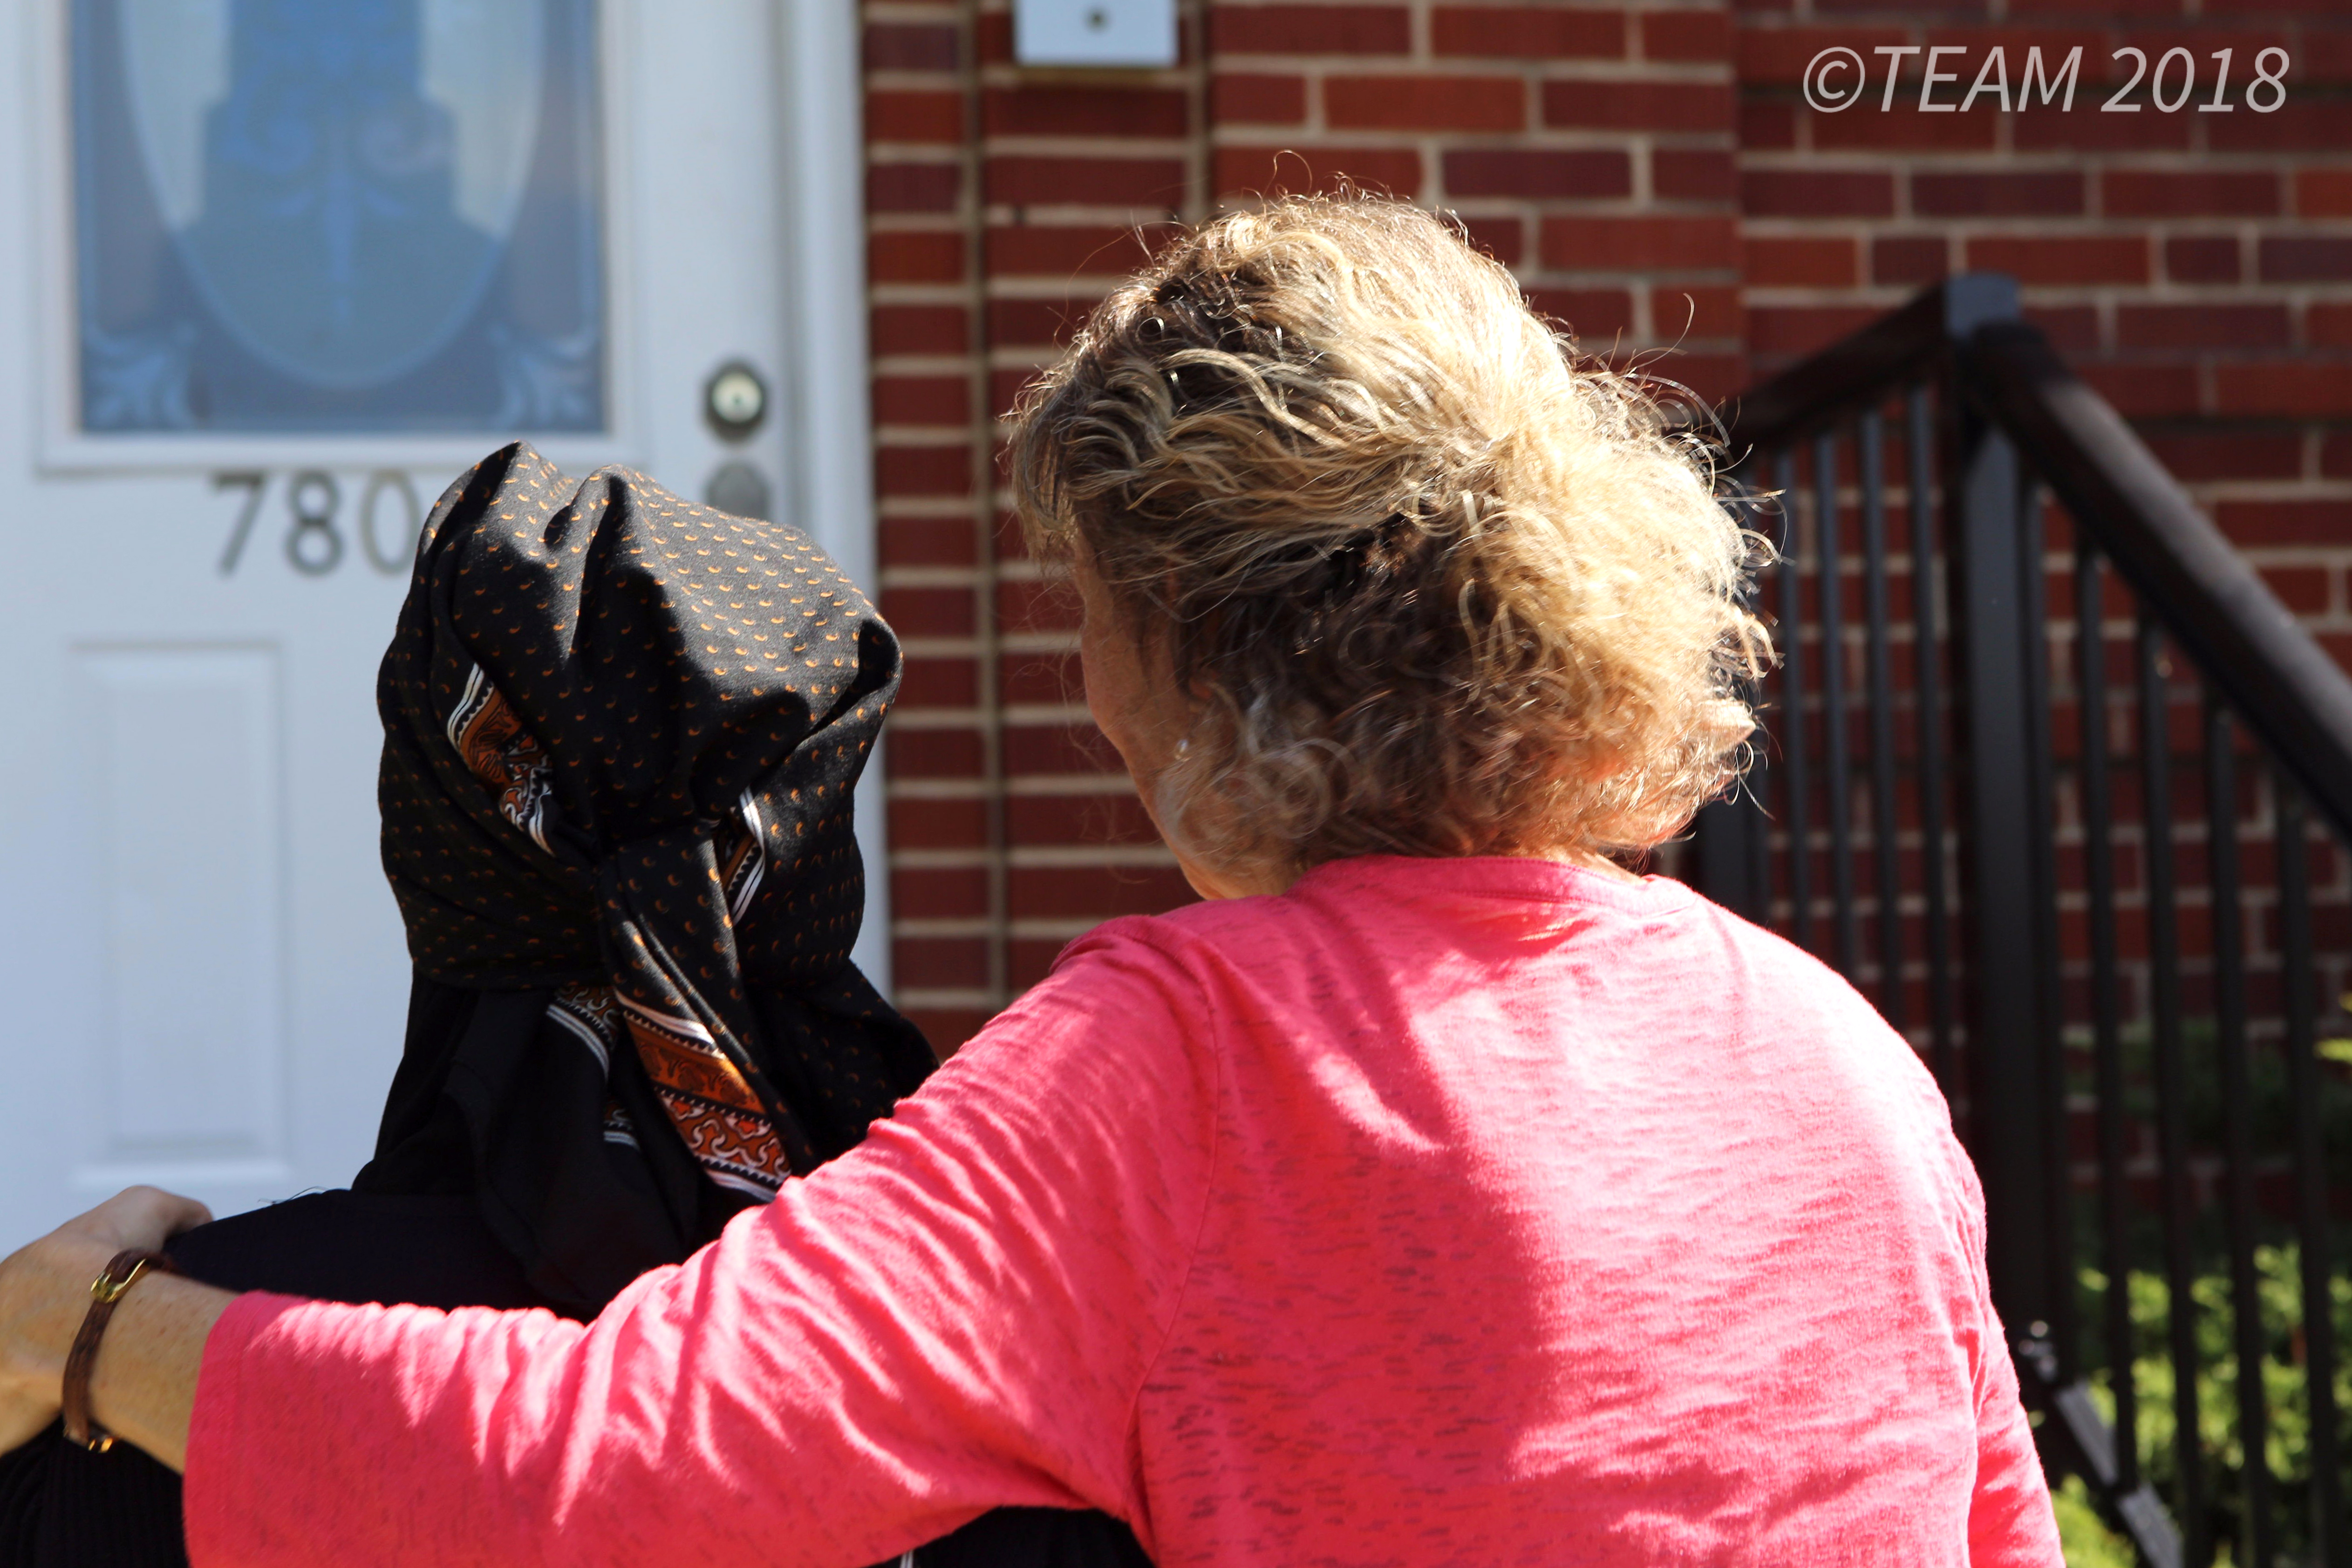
(2271, 1107)
(2287, 1436)
(2087, 1540)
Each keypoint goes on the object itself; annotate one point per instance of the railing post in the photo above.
(1989, 621)
(1730, 834)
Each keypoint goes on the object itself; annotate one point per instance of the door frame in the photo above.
(821, 86)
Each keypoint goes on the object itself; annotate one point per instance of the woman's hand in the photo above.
(136, 1217)
(45, 1292)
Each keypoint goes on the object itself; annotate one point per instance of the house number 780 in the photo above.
(313, 503)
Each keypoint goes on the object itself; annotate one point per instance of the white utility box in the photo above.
(1133, 34)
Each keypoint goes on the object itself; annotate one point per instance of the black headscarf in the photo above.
(621, 734)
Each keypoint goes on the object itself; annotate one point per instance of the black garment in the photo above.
(1037, 1538)
(621, 734)
(61, 1507)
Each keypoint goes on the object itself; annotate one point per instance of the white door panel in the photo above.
(183, 748)
(199, 570)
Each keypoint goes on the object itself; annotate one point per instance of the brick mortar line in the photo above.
(937, 926)
(1122, 216)
(917, 998)
(1043, 717)
(943, 789)
(938, 721)
(1108, 148)
(940, 648)
(1063, 857)
(914, 860)
(929, 576)
(922, 438)
(1052, 927)
(1114, 786)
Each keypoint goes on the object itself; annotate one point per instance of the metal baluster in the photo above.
(1927, 679)
(2107, 1007)
(1799, 808)
(1760, 842)
(1731, 860)
(2331, 1528)
(2034, 618)
(1886, 828)
(1830, 584)
(2237, 1111)
(2172, 1088)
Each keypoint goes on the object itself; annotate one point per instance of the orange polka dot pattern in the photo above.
(685, 677)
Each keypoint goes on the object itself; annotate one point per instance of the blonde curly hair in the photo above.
(1439, 585)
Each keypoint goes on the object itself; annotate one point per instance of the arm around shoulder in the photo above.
(957, 1315)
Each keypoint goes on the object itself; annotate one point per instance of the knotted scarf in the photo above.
(621, 735)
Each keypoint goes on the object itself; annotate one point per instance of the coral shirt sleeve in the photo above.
(2010, 1524)
(957, 1314)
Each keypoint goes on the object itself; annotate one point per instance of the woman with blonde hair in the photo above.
(1436, 1191)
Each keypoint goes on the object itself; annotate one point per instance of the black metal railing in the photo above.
(2054, 779)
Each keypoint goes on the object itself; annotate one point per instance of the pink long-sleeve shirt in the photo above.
(1466, 1211)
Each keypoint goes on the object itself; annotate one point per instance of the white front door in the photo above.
(272, 275)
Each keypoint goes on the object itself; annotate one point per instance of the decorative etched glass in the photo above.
(358, 215)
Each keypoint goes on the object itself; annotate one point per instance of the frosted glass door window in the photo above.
(297, 215)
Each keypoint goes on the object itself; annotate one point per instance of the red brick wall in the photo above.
(2196, 266)
(1651, 174)
(1001, 203)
